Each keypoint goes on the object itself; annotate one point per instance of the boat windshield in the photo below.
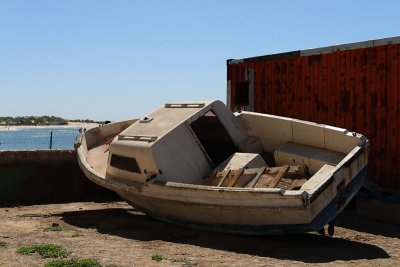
(214, 138)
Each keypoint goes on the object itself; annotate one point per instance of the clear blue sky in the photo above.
(122, 59)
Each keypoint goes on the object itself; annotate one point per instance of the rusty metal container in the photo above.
(354, 86)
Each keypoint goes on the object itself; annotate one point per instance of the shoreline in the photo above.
(69, 125)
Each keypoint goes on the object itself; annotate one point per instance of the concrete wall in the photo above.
(45, 176)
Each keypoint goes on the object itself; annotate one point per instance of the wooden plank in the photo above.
(367, 85)
(323, 89)
(260, 89)
(244, 179)
(253, 182)
(233, 179)
(284, 169)
(348, 92)
(317, 91)
(354, 94)
(268, 88)
(299, 87)
(285, 183)
(371, 84)
(264, 181)
(337, 84)
(291, 88)
(303, 104)
(331, 101)
(342, 88)
(295, 88)
(264, 88)
(275, 170)
(297, 184)
(380, 118)
(397, 89)
(360, 72)
(226, 173)
(280, 81)
(390, 140)
(308, 101)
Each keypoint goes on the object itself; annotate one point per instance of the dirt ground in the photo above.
(115, 233)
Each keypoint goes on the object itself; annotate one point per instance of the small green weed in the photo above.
(44, 250)
(73, 263)
(157, 257)
(3, 244)
(186, 262)
(77, 235)
(57, 229)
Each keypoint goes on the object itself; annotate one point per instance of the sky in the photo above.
(120, 59)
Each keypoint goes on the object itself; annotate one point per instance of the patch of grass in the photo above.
(3, 244)
(73, 263)
(157, 257)
(77, 235)
(57, 229)
(186, 262)
(44, 250)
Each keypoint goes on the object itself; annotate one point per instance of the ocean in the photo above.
(20, 138)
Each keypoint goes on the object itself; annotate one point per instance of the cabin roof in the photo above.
(164, 119)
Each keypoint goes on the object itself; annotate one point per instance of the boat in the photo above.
(199, 165)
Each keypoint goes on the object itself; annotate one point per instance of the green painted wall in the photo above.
(11, 178)
(45, 176)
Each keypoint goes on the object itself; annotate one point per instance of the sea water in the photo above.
(19, 138)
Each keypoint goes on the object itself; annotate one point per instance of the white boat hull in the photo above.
(245, 220)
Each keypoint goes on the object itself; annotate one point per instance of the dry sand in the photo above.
(115, 233)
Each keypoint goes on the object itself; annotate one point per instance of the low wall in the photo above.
(45, 176)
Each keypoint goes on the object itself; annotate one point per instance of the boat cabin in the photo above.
(179, 143)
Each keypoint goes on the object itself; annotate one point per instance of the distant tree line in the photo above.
(33, 120)
(86, 121)
(40, 120)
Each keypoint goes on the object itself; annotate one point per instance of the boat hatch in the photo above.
(214, 138)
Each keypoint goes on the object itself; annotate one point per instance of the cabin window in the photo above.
(125, 163)
(212, 135)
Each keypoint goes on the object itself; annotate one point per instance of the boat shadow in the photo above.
(349, 220)
(307, 248)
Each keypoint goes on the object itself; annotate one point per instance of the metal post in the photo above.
(51, 140)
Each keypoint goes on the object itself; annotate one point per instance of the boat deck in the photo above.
(97, 156)
(285, 177)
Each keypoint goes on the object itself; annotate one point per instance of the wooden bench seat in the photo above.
(309, 158)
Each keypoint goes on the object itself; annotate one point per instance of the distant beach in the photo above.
(69, 125)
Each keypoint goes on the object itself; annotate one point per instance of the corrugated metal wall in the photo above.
(356, 89)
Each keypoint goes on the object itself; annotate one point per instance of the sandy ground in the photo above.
(70, 124)
(115, 233)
